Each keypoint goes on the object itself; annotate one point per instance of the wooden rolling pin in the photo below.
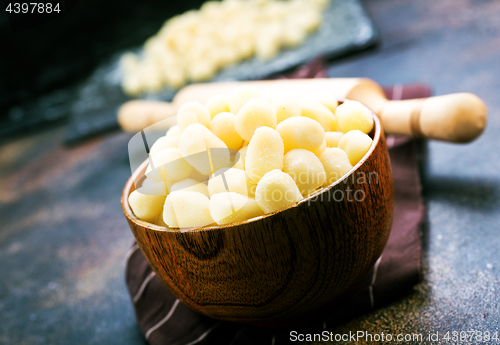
(459, 117)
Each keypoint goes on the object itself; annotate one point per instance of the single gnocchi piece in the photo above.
(168, 165)
(336, 164)
(239, 162)
(301, 133)
(276, 190)
(217, 104)
(255, 113)
(355, 144)
(192, 112)
(203, 150)
(198, 176)
(231, 180)
(243, 153)
(328, 100)
(239, 157)
(160, 222)
(191, 185)
(240, 96)
(222, 125)
(265, 153)
(333, 138)
(230, 207)
(147, 182)
(163, 143)
(285, 107)
(315, 110)
(187, 209)
(320, 149)
(306, 170)
(174, 132)
(352, 115)
(147, 202)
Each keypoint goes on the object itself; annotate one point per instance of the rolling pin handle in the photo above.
(458, 118)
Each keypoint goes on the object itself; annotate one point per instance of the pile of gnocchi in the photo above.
(193, 46)
(245, 154)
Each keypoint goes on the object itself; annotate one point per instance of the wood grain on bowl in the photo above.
(284, 263)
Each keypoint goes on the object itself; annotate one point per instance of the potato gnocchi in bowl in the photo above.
(246, 154)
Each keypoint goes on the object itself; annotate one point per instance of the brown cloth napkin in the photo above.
(164, 320)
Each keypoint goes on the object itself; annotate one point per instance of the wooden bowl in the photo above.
(283, 264)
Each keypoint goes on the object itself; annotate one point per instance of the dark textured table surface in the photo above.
(63, 236)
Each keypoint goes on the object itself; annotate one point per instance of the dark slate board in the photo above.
(346, 28)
